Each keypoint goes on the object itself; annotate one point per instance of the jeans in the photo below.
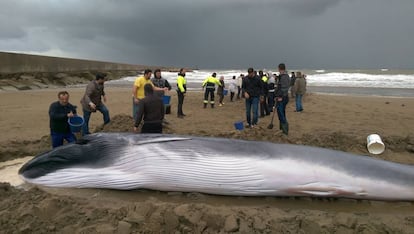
(57, 138)
(281, 109)
(252, 103)
(299, 106)
(134, 109)
(87, 115)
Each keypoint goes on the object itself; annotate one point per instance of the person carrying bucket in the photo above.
(209, 86)
(59, 113)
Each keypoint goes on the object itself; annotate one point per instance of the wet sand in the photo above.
(331, 121)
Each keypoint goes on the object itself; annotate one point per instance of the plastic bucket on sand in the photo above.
(375, 144)
(239, 125)
(76, 123)
(166, 99)
(225, 91)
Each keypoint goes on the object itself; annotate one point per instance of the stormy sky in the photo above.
(220, 34)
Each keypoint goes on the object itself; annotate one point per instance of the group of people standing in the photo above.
(272, 94)
(258, 90)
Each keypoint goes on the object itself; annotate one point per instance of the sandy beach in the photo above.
(331, 121)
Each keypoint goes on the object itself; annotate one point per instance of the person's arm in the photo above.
(244, 87)
(54, 113)
(73, 109)
(88, 92)
(167, 84)
(155, 88)
(204, 82)
(180, 84)
(135, 90)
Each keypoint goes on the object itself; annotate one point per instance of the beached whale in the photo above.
(217, 166)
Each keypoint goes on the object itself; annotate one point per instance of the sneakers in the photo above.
(220, 104)
(250, 126)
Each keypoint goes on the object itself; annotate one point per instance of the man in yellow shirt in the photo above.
(138, 92)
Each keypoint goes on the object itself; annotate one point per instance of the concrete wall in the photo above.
(18, 63)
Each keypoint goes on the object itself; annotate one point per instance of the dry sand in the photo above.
(337, 122)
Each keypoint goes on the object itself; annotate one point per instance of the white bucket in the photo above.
(375, 144)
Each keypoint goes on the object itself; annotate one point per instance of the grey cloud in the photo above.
(215, 33)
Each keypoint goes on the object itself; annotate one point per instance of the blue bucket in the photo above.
(225, 91)
(166, 99)
(75, 123)
(239, 125)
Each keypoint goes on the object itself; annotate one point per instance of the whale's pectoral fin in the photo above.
(327, 190)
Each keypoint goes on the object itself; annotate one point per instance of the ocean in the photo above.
(380, 82)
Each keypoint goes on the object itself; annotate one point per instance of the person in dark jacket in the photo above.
(292, 85)
(151, 110)
(220, 91)
(92, 101)
(282, 97)
(160, 82)
(252, 90)
(161, 85)
(59, 112)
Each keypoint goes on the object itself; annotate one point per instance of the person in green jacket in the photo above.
(209, 86)
(181, 90)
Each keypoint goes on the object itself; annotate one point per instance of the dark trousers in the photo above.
(238, 92)
(231, 96)
(221, 97)
(270, 100)
(281, 109)
(151, 128)
(180, 96)
(57, 138)
(252, 104)
(209, 92)
(264, 109)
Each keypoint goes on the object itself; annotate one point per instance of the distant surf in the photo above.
(375, 81)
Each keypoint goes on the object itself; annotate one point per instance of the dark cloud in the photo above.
(215, 33)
